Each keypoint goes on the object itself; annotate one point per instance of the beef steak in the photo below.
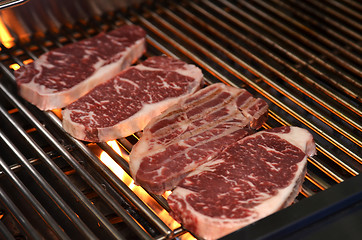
(127, 102)
(247, 181)
(61, 76)
(193, 132)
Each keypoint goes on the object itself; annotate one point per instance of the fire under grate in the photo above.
(303, 58)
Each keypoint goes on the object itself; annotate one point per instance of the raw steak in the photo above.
(247, 181)
(61, 76)
(191, 133)
(126, 103)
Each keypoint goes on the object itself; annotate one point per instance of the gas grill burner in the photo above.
(302, 57)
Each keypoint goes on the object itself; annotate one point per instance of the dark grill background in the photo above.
(302, 57)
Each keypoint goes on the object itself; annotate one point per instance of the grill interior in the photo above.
(302, 57)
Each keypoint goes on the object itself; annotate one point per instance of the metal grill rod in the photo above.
(192, 55)
(324, 168)
(338, 15)
(165, 230)
(32, 200)
(125, 190)
(17, 214)
(115, 206)
(298, 86)
(108, 226)
(251, 83)
(16, 166)
(11, 3)
(4, 232)
(327, 121)
(122, 162)
(320, 183)
(352, 138)
(330, 21)
(115, 180)
(40, 180)
(295, 58)
(326, 41)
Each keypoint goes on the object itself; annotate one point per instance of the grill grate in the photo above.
(303, 58)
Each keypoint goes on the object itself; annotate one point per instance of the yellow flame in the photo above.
(166, 194)
(139, 191)
(14, 66)
(5, 37)
(113, 144)
(115, 168)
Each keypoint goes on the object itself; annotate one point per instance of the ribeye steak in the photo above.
(193, 132)
(127, 102)
(61, 76)
(247, 181)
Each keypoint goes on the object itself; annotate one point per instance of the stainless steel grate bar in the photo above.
(310, 78)
(351, 7)
(124, 190)
(117, 182)
(41, 181)
(32, 200)
(124, 163)
(343, 33)
(14, 210)
(165, 230)
(323, 40)
(218, 60)
(303, 104)
(5, 233)
(325, 168)
(55, 168)
(312, 57)
(91, 181)
(354, 11)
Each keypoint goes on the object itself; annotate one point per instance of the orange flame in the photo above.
(139, 191)
(113, 166)
(16, 66)
(8, 41)
(58, 113)
(5, 37)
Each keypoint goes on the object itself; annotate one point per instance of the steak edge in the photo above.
(247, 181)
(192, 132)
(61, 76)
(126, 103)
